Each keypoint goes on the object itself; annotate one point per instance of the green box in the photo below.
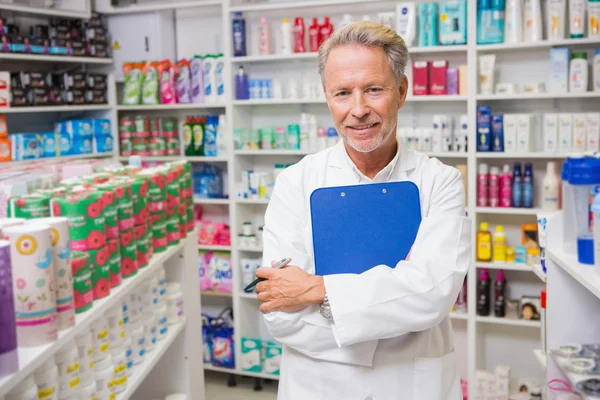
(272, 361)
(251, 354)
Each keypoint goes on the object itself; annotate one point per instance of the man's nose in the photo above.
(360, 107)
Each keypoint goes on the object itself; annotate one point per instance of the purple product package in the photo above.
(452, 80)
(9, 361)
(196, 71)
(183, 82)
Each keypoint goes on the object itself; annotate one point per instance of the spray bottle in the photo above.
(506, 187)
(500, 288)
(483, 294)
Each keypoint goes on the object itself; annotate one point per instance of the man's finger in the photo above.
(264, 296)
(265, 272)
(262, 286)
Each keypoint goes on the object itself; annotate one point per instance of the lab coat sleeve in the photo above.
(305, 331)
(418, 294)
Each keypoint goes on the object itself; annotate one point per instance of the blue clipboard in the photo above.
(356, 228)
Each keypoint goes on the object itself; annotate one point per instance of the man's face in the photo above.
(363, 95)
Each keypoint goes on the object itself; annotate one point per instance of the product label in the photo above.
(120, 368)
(46, 393)
(73, 383)
(104, 347)
(73, 368)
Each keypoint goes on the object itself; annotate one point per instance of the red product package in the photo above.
(420, 78)
(166, 76)
(438, 77)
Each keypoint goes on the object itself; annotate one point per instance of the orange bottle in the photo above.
(4, 141)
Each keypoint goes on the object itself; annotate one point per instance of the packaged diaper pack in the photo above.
(150, 83)
(218, 340)
(215, 271)
(184, 82)
(197, 74)
(261, 355)
(272, 357)
(166, 76)
(132, 90)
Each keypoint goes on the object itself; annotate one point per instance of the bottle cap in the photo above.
(285, 20)
(483, 226)
(581, 54)
(506, 168)
(499, 229)
(484, 274)
(483, 168)
(500, 275)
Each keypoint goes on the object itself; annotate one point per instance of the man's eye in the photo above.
(374, 90)
(342, 93)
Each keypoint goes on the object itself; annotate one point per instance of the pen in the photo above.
(280, 264)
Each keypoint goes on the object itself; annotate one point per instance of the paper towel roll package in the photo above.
(9, 362)
(7, 222)
(63, 277)
(33, 284)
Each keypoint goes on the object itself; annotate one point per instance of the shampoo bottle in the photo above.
(596, 71)
(484, 21)
(483, 186)
(239, 35)
(499, 290)
(499, 249)
(313, 36)
(242, 91)
(532, 27)
(551, 191)
(325, 30)
(406, 22)
(483, 294)
(286, 37)
(555, 25)
(577, 18)
(517, 188)
(494, 187)
(299, 46)
(506, 187)
(264, 37)
(496, 35)
(513, 22)
(528, 186)
(484, 243)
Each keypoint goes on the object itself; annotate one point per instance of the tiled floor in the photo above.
(217, 389)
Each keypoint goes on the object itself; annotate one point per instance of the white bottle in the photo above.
(304, 132)
(366, 17)
(593, 132)
(286, 37)
(406, 22)
(565, 132)
(551, 188)
(447, 139)
(346, 20)
(221, 137)
(555, 22)
(578, 73)
(513, 22)
(532, 30)
(593, 19)
(264, 37)
(312, 133)
(464, 134)
(579, 132)
(436, 135)
(550, 133)
(596, 71)
(510, 133)
(577, 18)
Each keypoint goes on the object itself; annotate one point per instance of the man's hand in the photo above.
(288, 289)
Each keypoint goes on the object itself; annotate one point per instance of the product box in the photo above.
(530, 308)
(38, 97)
(101, 127)
(510, 132)
(251, 355)
(49, 145)
(420, 78)
(565, 132)
(452, 81)
(524, 129)
(502, 373)
(81, 145)
(102, 144)
(453, 22)
(579, 132)
(25, 146)
(550, 133)
(63, 141)
(18, 98)
(4, 89)
(58, 47)
(484, 128)
(427, 24)
(437, 77)
(272, 357)
(463, 80)
(77, 47)
(559, 70)
(40, 45)
(593, 131)
(80, 128)
(497, 132)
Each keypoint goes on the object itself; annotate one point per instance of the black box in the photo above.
(79, 47)
(96, 81)
(98, 49)
(18, 97)
(38, 97)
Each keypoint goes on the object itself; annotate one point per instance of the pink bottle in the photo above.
(494, 187)
(506, 187)
(483, 186)
(313, 36)
(299, 35)
(325, 30)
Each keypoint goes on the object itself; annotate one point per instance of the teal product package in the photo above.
(453, 22)
(427, 25)
(251, 354)
(49, 145)
(272, 357)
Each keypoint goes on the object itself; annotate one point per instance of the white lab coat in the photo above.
(391, 338)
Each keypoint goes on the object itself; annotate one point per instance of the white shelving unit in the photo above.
(53, 59)
(78, 9)
(542, 358)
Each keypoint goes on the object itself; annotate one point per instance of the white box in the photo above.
(593, 131)
(565, 133)
(502, 382)
(579, 132)
(524, 129)
(4, 89)
(510, 133)
(550, 133)
(559, 70)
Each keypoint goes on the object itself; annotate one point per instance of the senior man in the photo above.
(384, 334)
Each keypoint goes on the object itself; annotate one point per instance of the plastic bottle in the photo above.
(483, 186)
(578, 72)
(593, 18)
(528, 186)
(325, 30)
(264, 37)
(239, 35)
(483, 293)
(406, 22)
(513, 22)
(221, 137)
(484, 21)
(517, 186)
(286, 37)
(313, 36)
(556, 12)
(499, 249)
(506, 187)
(577, 18)
(299, 46)
(313, 145)
(347, 19)
(497, 32)
(596, 71)
(494, 187)
(484, 243)
(242, 91)
(551, 191)
(500, 288)
(532, 26)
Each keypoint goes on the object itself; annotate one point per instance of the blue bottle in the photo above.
(239, 35)
(242, 90)
(517, 188)
(496, 33)
(528, 186)
(498, 132)
(484, 20)
(484, 128)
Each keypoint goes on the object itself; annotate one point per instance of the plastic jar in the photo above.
(100, 338)
(578, 72)
(46, 379)
(162, 281)
(119, 360)
(149, 322)
(138, 340)
(88, 390)
(26, 390)
(85, 352)
(160, 311)
(67, 362)
(116, 326)
(127, 345)
(104, 374)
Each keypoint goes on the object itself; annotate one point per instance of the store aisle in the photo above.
(216, 388)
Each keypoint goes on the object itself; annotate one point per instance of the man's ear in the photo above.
(403, 91)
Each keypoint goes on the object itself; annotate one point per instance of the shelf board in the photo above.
(59, 158)
(213, 247)
(66, 108)
(274, 102)
(141, 371)
(455, 315)
(505, 266)
(537, 45)
(538, 96)
(285, 5)
(250, 249)
(587, 275)
(508, 210)
(32, 358)
(539, 272)
(252, 201)
(46, 11)
(171, 5)
(439, 49)
(508, 321)
(177, 158)
(211, 293)
(251, 296)
(446, 154)
(541, 357)
(281, 152)
(54, 59)
(435, 98)
(209, 367)
(198, 200)
(168, 107)
(528, 155)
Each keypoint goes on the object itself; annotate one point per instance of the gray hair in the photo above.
(369, 34)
